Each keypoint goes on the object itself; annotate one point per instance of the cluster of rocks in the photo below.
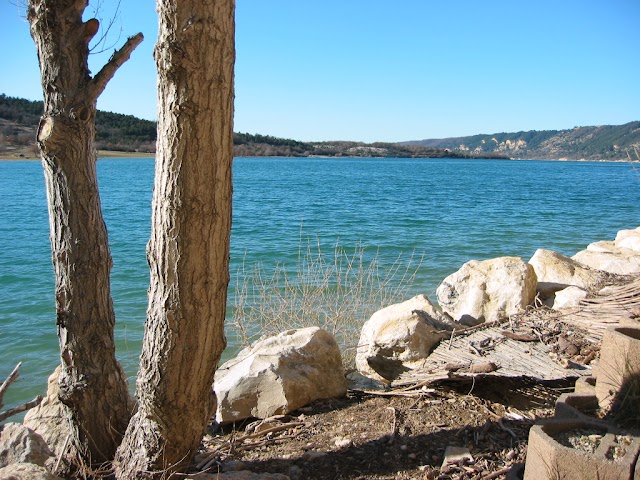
(285, 372)
(398, 337)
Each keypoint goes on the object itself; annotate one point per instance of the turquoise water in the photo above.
(447, 211)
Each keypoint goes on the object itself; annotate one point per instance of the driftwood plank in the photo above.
(516, 355)
(513, 359)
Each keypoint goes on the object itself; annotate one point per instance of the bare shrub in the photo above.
(337, 293)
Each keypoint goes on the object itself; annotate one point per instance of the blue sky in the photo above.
(375, 70)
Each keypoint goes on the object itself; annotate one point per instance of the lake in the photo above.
(443, 211)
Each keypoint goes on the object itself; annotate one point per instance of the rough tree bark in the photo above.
(188, 252)
(93, 387)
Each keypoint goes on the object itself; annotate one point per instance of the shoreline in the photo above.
(24, 155)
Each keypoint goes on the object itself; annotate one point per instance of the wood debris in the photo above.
(598, 313)
(521, 353)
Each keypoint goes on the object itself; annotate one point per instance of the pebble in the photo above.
(342, 442)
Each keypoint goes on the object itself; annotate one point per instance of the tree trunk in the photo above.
(189, 248)
(93, 387)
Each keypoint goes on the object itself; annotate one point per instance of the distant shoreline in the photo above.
(25, 155)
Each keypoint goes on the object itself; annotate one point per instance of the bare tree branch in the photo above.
(118, 58)
(13, 376)
(100, 45)
(22, 408)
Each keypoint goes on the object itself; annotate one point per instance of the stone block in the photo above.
(580, 449)
(619, 366)
(576, 405)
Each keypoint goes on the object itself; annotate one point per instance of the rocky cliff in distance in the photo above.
(605, 142)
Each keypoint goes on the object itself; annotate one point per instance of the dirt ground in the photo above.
(408, 433)
(365, 436)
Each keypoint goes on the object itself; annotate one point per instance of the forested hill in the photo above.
(19, 119)
(606, 142)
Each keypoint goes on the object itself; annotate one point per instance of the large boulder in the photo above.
(20, 444)
(489, 290)
(280, 374)
(629, 239)
(397, 336)
(610, 258)
(556, 272)
(26, 471)
(618, 257)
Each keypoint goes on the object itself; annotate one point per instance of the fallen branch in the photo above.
(13, 376)
(507, 429)
(413, 390)
(22, 408)
(521, 337)
(277, 428)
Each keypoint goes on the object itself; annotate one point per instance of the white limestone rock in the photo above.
(489, 290)
(618, 257)
(629, 239)
(280, 374)
(603, 246)
(616, 261)
(556, 272)
(569, 298)
(399, 335)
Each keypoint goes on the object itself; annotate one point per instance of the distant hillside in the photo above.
(19, 119)
(607, 142)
